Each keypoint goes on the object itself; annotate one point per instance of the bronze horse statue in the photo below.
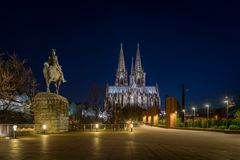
(53, 73)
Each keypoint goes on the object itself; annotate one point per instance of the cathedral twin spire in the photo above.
(121, 63)
(138, 64)
(121, 74)
(137, 76)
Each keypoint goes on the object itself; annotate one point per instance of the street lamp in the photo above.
(183, 110)
(207, 106)
(14, 131)
(44, 128)
(194, 109)
(227, 103)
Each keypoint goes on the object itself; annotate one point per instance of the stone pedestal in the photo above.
(52, 110)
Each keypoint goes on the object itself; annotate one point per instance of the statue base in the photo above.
(51, 110)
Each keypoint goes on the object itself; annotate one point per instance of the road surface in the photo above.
(144, 143)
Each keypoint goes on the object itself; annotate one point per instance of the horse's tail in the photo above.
(45, 69)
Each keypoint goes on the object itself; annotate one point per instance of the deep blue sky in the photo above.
(194, 43)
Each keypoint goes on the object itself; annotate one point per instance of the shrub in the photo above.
(213, 123)
(222, 122)
(237, 115)
(234, 127)
(204, 123)
(181, 124)
(235, 122)
(214, 127)
(222, 127)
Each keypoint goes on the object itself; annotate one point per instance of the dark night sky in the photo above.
(198, 44)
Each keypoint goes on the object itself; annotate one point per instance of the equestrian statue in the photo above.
(52, 72)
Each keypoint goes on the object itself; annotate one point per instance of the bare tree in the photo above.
(15, 80)
(95, 98)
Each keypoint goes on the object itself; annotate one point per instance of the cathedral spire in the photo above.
(138, 64)
(132, 67)
(139, 76)
(121, 75)
(121, 63)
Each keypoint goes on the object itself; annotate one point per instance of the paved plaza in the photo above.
(144, 143)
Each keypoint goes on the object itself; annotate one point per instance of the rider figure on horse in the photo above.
(52, 59)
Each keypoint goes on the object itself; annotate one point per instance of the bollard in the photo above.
(97, 126)
(131, 126)
(14, 131)
(44, 128)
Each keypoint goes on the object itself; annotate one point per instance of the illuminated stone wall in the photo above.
(171, 112)
(150, 116)
(52, 110)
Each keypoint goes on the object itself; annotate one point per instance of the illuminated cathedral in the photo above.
(132, 90)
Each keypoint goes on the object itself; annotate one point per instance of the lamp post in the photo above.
(207, 106)
(184, 111)
(14, 131)
(164, 116)
(44, 128)
(194, 109)
(227, 103)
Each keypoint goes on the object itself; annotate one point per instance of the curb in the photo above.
(209, 130)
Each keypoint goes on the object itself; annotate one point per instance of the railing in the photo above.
(99, 127)
(6, 130)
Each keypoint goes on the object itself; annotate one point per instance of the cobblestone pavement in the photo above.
(144, 143)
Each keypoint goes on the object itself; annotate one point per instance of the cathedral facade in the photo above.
(132, 90)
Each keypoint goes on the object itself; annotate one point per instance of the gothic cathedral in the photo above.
(133, 92)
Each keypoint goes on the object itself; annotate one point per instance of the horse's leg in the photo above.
(56, 87)
(47, 83)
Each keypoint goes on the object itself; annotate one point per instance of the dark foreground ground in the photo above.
(144, 143)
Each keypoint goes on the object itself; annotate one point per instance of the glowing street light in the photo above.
(194, 109)
(14, 131)
(183, 111)
(227, 103)
(207, 106)
(44, 127)
(97, 126)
